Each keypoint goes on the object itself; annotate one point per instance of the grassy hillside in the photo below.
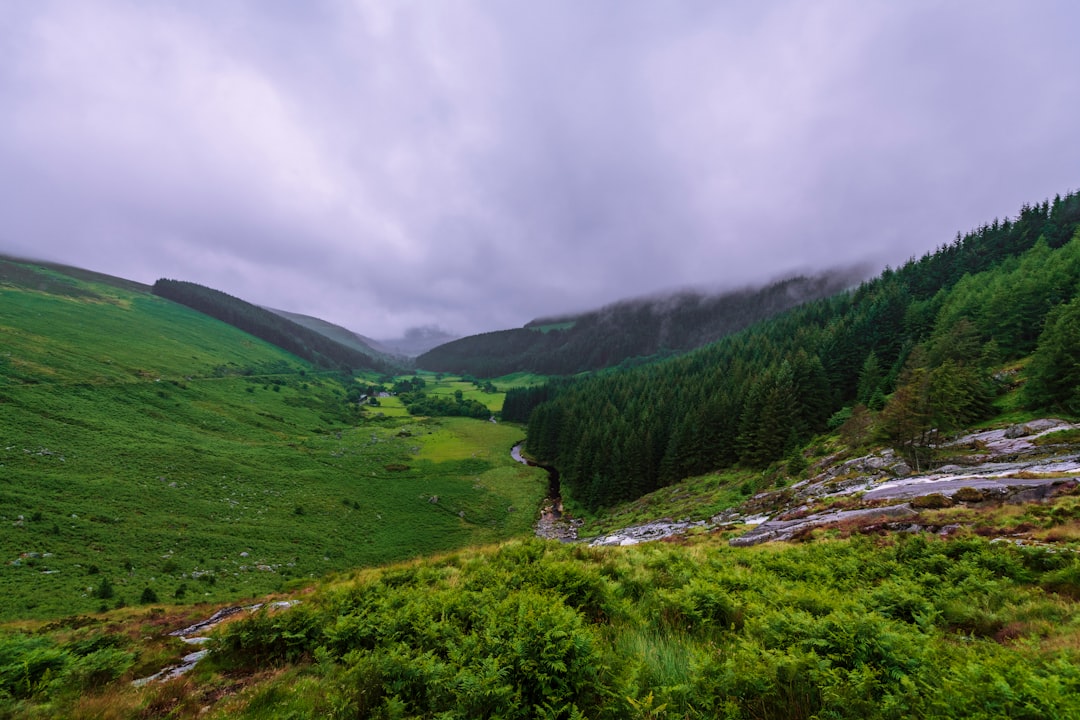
(317, 347)
(144, 446)
(342, 335)
(892, 627)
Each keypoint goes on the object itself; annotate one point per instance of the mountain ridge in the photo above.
(639, 327)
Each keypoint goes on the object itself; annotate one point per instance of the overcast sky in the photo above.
(476, 164)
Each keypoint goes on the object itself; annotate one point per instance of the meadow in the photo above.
(148, 451)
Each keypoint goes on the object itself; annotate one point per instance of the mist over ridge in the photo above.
(387, 166)
(631, 329)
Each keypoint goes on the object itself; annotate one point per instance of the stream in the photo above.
(554, 525)
(192, 636)
(551, 524)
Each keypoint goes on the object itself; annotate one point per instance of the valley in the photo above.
(866, 505)
(190, 462)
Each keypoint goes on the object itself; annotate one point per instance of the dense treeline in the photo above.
(420, 403)
(274, 329)
(625, 330)
(918, 344)
(519, 402)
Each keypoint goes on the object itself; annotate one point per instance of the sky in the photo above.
(475, 164)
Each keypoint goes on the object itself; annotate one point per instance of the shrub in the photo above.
(968, 494)
(104, 589)
(26, 662)
(933, 501)
(1065, 581)
(97, 669)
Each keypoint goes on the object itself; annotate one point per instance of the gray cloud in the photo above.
(477, 164)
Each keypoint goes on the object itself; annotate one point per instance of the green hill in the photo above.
(344, 336)
(623, 331)
(926, 347)
(147, 447)
(312, 345)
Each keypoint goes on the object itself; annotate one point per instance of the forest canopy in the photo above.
(920, 343)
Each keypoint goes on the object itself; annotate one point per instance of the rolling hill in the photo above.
(315, 346)
(149, 448)
(346, 337)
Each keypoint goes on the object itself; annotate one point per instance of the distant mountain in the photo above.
(311, 345)
(416, 341)
(343, 335)
(628, 329)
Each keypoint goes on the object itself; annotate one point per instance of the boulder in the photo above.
(1017, 431)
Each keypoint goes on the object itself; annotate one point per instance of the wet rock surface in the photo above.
(1005, 464)
(552, 525)
(189, 636)
(772, 530)
(650, 531)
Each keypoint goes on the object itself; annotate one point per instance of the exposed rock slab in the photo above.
(774, 530)
(650, 531)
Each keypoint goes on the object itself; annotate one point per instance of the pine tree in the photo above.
(1054, 373)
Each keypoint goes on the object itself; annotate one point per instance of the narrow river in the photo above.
(551, 524)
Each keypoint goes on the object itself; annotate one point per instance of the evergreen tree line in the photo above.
(916, 346)
(303, 342)
(520, 402)
(632, 329)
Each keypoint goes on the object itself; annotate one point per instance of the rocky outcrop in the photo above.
(650, 531)
(1006, 464)
(774, 530)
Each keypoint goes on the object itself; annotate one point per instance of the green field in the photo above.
(144, 445)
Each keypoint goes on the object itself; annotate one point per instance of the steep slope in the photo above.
(343, 336)
(909, 626)
(152, 451)
(312, 345)
(630, 329)
(924, 344)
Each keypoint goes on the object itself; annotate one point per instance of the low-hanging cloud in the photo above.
(387, 165)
